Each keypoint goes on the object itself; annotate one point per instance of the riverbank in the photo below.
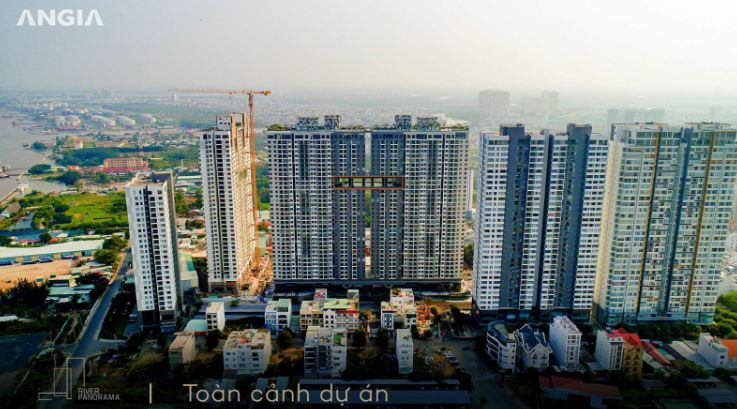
(19, 159)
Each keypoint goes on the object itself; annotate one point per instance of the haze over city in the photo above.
(630, 49)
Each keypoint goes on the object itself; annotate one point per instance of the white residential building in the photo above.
(325, 351)
(534, 351)
(405, 351)
(719, 353)
(565, 341)
(538, 214)
(501, 346)
(330, 312)
(664, 222)
(278, 314)
(151, 219)
(247, 352)
(227, 192)
(183, 349)
(319, 185)
(215, 316)
(400, 310)
(609, 350)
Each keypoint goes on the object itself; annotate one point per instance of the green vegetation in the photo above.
(468, 256)
(39, 146)
(102, 213)
(117, 317)
(284, 339)
(171, 157)
(69, 178)
(262, 186)
(39, 169)
(111, 249)
(725, 316)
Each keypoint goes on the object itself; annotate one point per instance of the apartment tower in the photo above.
(319, 188)
(228, 196)
(666, 209)
(151, 218)
(537, 222)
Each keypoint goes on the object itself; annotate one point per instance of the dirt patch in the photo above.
(10, 274)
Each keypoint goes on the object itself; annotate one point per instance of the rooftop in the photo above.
(67, 247)
(254, 338)
(215, 307)
(181, 340)
(579, 387)
(628, 337)
(196, 325)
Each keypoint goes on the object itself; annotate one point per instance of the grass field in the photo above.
(91, 208)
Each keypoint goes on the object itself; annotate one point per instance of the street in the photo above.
(88, 343)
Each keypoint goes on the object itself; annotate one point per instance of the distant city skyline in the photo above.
(569, 46)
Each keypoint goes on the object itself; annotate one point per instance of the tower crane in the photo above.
(252, 136)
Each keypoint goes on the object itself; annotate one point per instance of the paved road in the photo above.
(89, 344)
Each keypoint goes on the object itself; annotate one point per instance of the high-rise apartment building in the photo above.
(319, 185)
(666, 208)
(493, 103)
(537, 222)
(151, 218)
(228, 197)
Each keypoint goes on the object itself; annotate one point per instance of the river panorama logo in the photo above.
(63, 17)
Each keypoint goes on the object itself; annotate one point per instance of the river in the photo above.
(13, 154)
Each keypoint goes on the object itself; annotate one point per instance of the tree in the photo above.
(212, 339)
(359, 339)
(39, 146)
(106, 257)
(39, 169)
(382, 338)
(44, 237)
(468, 255)
(415, 332)
(433, 310)
(4, 240)
(69, 177)
(134, 342)
(181, 206)
(114, 243)
(284, 339)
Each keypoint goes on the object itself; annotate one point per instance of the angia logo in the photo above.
(64, 17)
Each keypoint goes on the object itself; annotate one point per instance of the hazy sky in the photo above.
(586, 45)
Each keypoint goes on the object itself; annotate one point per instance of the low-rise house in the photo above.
(565, 341)
(619, 350)
(400, 310)
(183, 349)
(278, 314)
(609, 350)
(578, 393)
(325, 351)
(632, 356)
(404, 348)
(501, 346)
(329, 312)
(247, 352)
(215, 316)
(534, 351)
(719, 353)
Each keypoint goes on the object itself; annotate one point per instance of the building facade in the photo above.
(228, 197)
(326, 351)
(501, 346)
(151, 218)
(404, 348)
(534, 351)
(565, 341)
(493, 103)
(319, 187)
(247, 352)
(215, 316)
(667, 205)
(537, 222)
(609, 350)
(278, 314)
